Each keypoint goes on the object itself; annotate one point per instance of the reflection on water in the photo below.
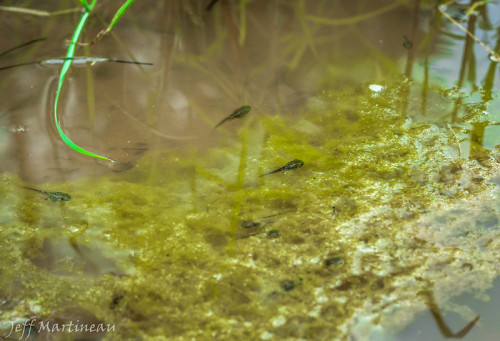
(464, 306)
(393, 210)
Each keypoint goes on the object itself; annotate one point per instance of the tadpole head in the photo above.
(241, 111)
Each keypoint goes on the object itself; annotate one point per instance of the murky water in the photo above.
(387, 230)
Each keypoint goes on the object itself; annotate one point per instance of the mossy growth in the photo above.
(196, 243)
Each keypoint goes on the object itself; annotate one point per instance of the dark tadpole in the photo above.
(238, 113)
(407, 43)
(53, 196)
(294, 164)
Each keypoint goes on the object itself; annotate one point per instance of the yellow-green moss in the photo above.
(160, 250)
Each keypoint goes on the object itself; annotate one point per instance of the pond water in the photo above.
(355, 198)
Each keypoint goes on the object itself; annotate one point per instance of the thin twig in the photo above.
(153, 130)
(458, 141)
(38, 13)
(22, 45)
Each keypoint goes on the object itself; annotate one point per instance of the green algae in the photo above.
(162, 250)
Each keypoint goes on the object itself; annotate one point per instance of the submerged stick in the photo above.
(22, 45)
(76, 60)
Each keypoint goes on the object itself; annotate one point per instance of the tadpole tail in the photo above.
(34, 189)
(221, 122)
(274, 171)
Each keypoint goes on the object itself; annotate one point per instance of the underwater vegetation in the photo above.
(205, 241)
(350, 209)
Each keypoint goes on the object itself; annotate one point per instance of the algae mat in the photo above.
(386, 217)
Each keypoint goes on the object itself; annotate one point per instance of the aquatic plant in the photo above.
(391, 212)
(69, 60)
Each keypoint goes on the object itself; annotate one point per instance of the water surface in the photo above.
(391, 221)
